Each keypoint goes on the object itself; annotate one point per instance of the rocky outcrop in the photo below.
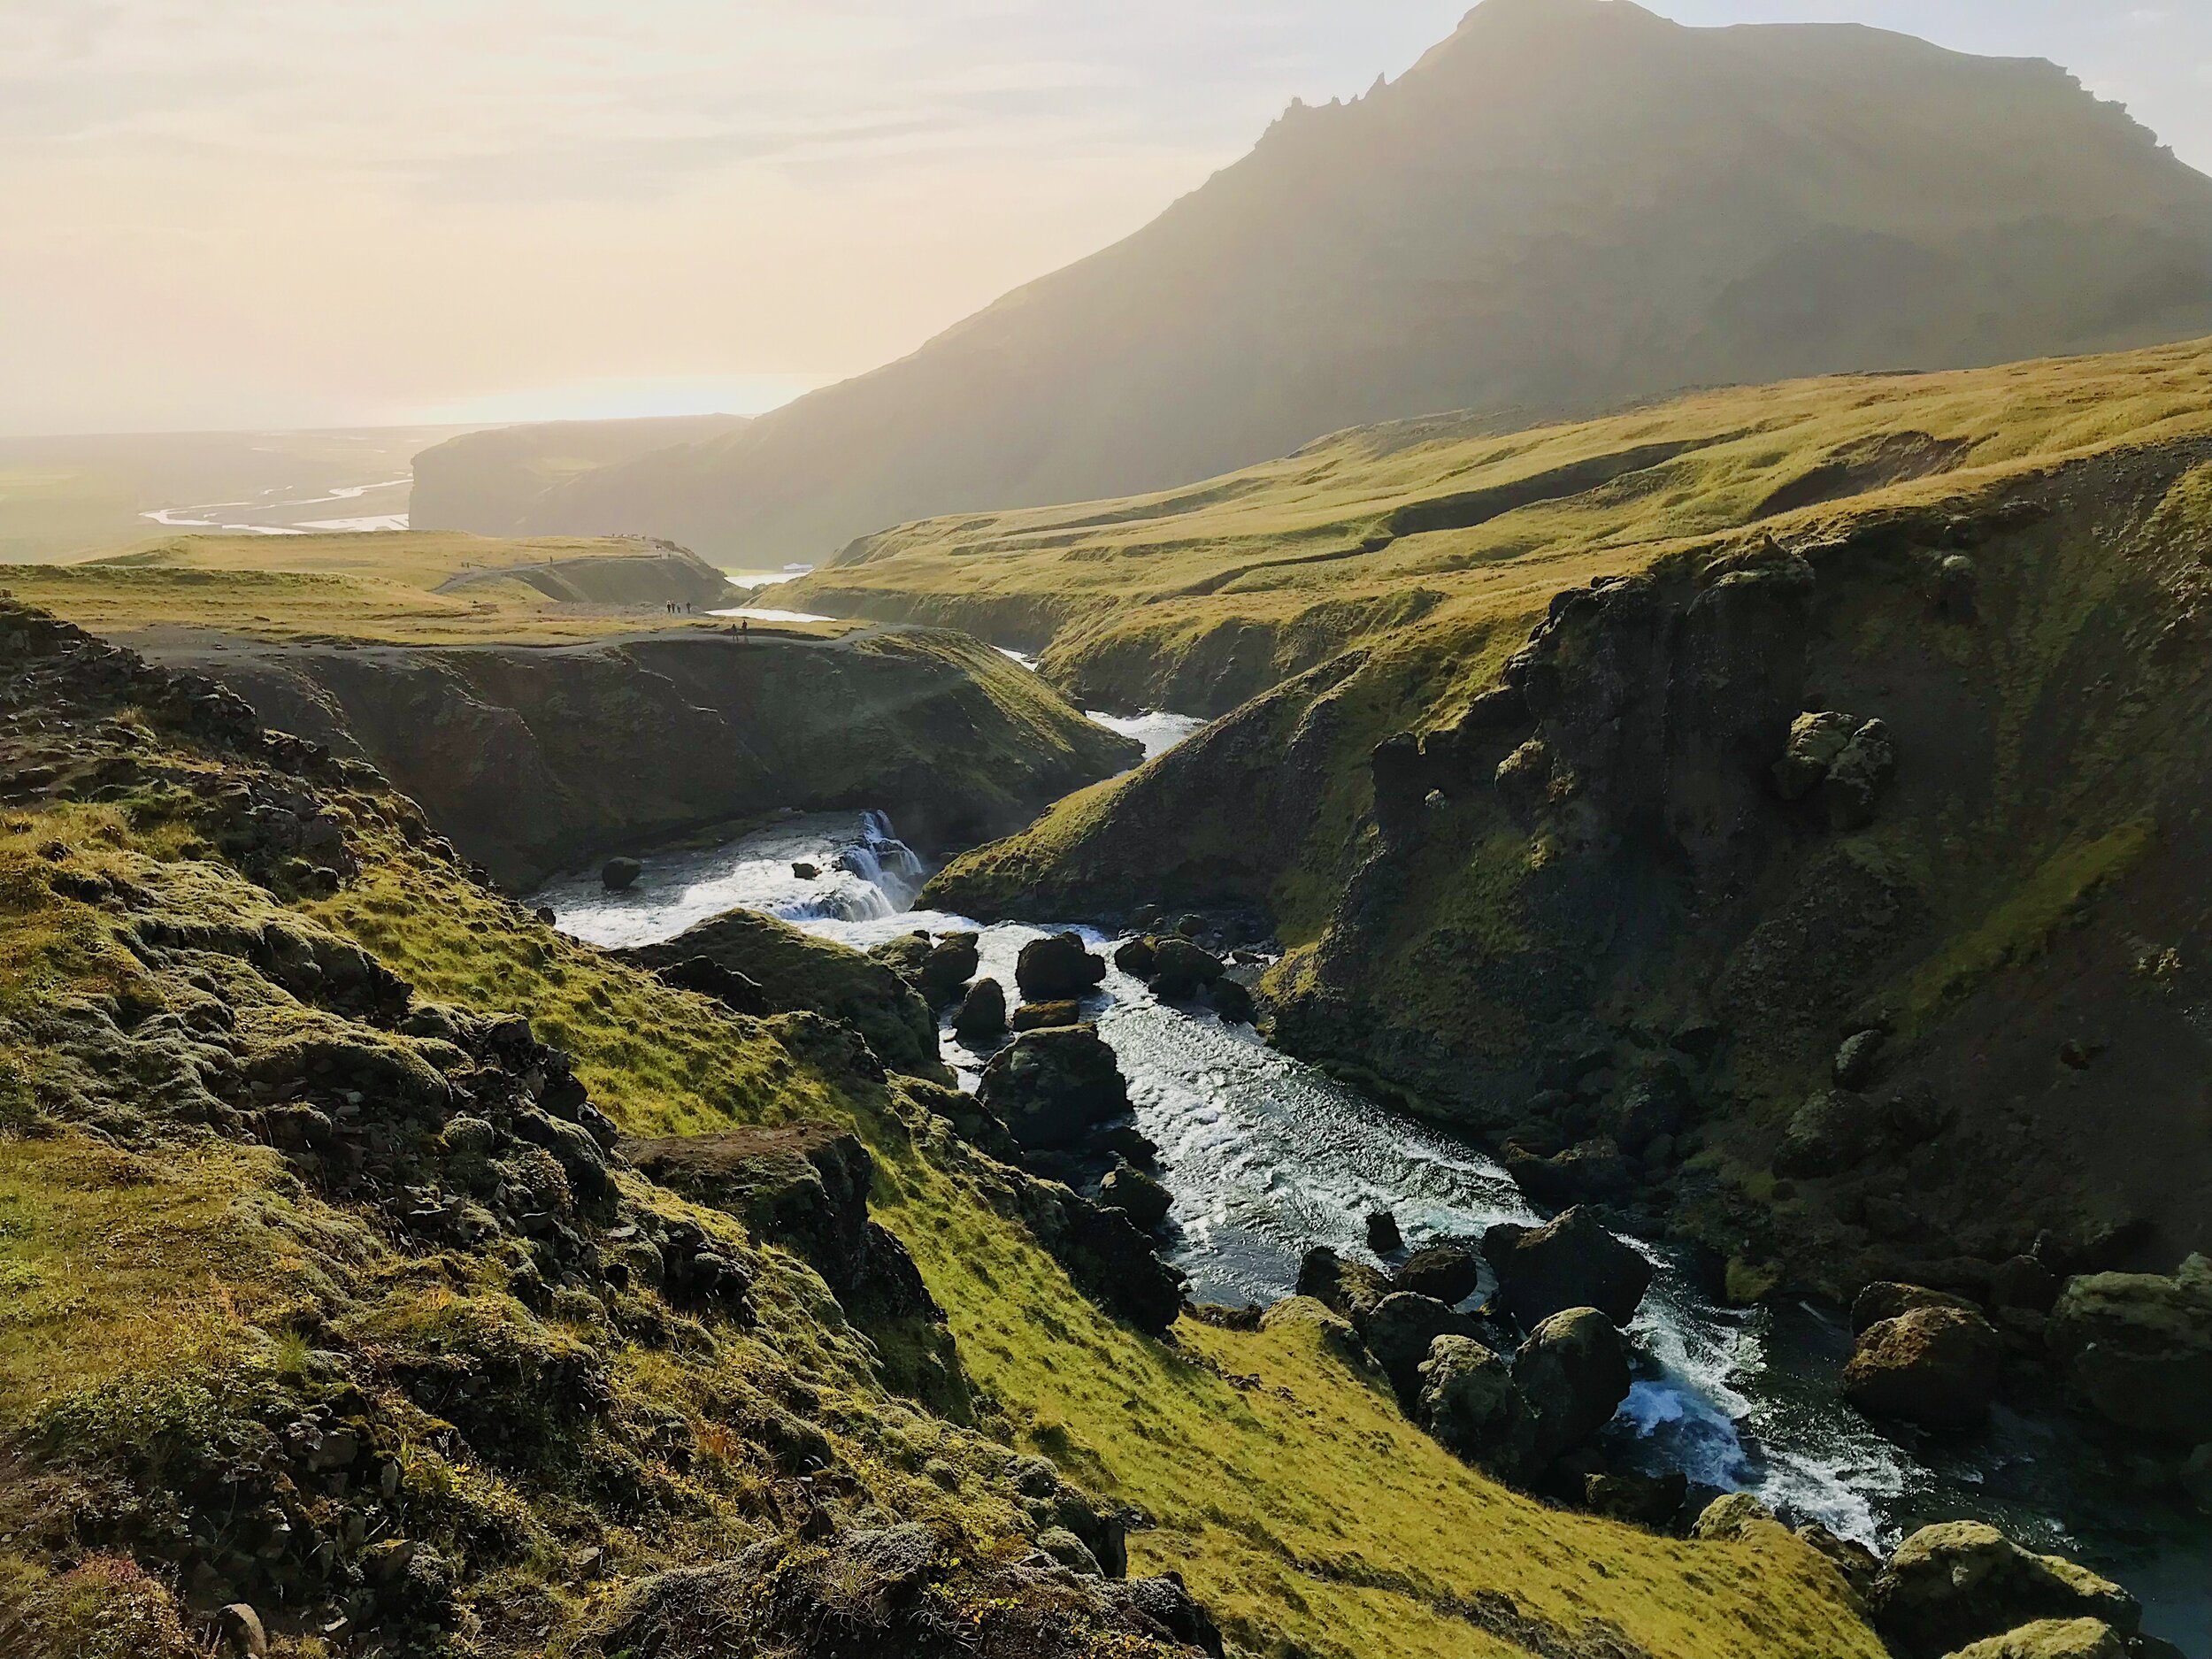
(796, 972)
(1573, 1369)
(534, 759)
(2136, 1349)
(1572, 1262)
(1841, 762)
(804, 1187)
(1468, 1401)
(1937, 1366)
(1963, 1582)
(1051, 1087)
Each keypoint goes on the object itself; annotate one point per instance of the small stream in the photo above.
(1266, 1156)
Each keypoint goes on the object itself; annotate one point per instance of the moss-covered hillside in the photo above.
(389, 586)
(1552, 844)
(1449, 531)
(331, 1288)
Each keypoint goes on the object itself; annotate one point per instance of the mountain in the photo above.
(490, 482)
(1568, 205)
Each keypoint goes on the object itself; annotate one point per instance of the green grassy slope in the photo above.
(196, 1277)
(2024, 884)
(1197, 599)
(1568, 204)
(399, 587)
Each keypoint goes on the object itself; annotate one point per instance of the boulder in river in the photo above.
(951, 962)
(1594, 1172)
(1136, 957)
(1570, 1262)
(1058, 968)
(1233, 1002)
(1398, 1330)
(620, 875)
(806, 872)
(1042, 1016)
(1383, 1236)
(2137, 1347)
(1052, 1088)
(1573, 1369)
(1468, 1401)
(1446, 1271)
(1938, 1367)
(981, 1020)
(1965, 1582)
(1181, 970)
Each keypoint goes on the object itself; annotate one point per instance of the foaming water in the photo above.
(864, 873)
(1265, 1157)
(1158, 731)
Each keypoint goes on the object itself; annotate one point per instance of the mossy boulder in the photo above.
(981, 1021)
(1468, 1401)
(1965, 1582)
(1936, 1366)
(1573, 1371)
(2052, 1638)
(1051, 1087)
(2137, 1347)
(1449, 1272)
(796, 972)
(1399, 1331)
(1348, 1289)
(1887, 1300)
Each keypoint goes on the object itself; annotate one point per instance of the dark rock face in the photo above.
(1107, 1255)
(1649, 1500)
(1446, 1271)
(1572, 1262)
(1938, 1367)
(737, 991)
(1963, 1582)
(2137, 1347)
(1056, 969)
(1181, 970)
(1468, 1401)
(1137, 1195)
(804, 1187)
(1573, 1369)
(1052, 1088)
(1594, 1172)
(981, 1020)
(1830, 1134)
(1398, 1330)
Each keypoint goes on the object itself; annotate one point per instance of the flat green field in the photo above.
(407, 587)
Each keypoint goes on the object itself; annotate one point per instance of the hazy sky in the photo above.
(218, 213)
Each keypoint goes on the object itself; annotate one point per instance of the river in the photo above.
(1266, 1156)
